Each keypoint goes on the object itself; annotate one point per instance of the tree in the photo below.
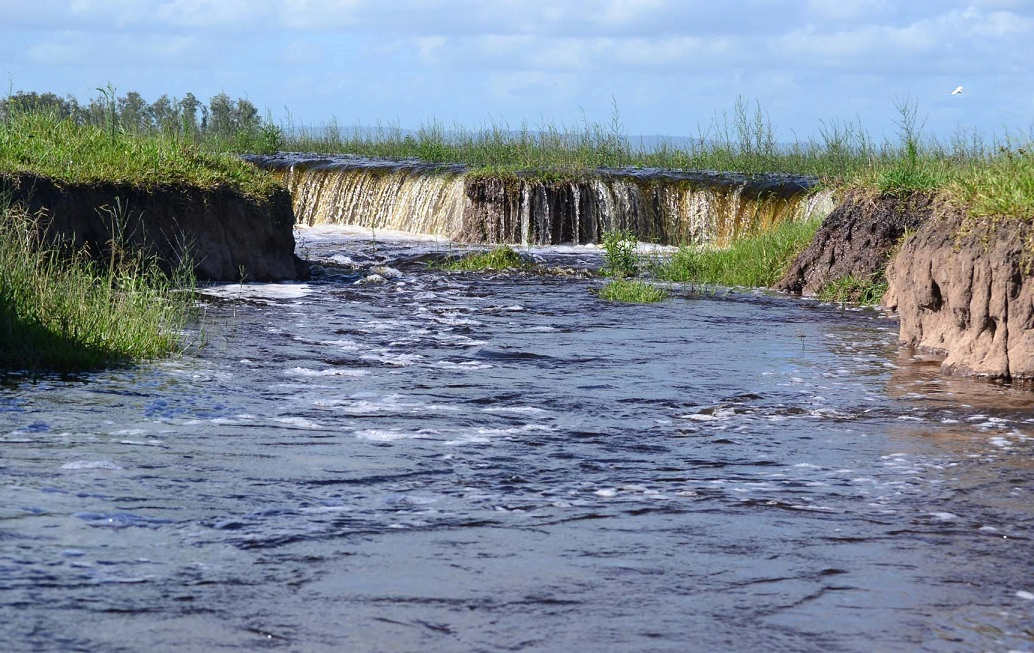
(222, 120)
(164, 115)
(133, 113)
(188, 110)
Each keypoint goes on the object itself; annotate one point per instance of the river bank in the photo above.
(101, 229)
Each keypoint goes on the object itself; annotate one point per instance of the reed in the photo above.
(63, 310)
(754, 261)
(992, 175)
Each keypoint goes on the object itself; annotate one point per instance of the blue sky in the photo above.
(669, 65)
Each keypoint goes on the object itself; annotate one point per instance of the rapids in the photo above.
(394, 458)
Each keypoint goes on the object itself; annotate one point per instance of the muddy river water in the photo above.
(432, 461)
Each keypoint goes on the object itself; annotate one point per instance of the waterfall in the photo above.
(664, 207)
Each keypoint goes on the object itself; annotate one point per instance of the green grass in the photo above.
(632, 291)
(500, 258)
(866, 291)
(40, 143)
(992, 175)
(619, 252)
(63, 311)
(755, 261)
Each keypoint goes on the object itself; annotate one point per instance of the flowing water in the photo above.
(669, 207)
(392, 458)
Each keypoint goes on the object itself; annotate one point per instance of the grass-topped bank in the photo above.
(65, 311)
(41, 143)
(130, 216)
(990, 175)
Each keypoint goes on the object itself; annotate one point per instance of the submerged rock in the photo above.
(856, 239)
(225, 234)
(963, 289)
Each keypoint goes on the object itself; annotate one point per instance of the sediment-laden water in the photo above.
(426, 461)
(667, 207)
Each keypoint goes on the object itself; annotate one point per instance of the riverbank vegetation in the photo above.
(66, 309)
(753, 261)
(41, 143)
(503, 257)
(991, 175)
(63, 310)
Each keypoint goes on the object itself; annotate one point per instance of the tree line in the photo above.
(223, 117)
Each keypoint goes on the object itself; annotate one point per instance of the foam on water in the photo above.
(484, 452)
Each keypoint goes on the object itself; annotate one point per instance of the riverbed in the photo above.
(395, 458)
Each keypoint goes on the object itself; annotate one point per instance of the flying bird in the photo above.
(957, 91)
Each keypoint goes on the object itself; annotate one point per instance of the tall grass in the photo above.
(39, 142)
(62, 310)
(992, 174)
(755, 261)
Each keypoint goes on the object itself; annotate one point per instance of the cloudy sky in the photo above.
(669, 65)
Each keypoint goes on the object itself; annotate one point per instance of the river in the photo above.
(433, 461)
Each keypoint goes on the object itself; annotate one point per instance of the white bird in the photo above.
(957, 90)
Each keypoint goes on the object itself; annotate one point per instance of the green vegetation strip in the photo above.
(63, 311)
(180, 140)
(755, 261)
(990, 176)
(41, 143)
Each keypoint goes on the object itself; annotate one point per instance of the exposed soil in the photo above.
(856, 239)
(223, 232)
(963, 288)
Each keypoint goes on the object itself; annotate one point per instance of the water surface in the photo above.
(421, 460)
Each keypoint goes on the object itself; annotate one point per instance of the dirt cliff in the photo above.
(964, 288)
(856, 239)
(224, 232)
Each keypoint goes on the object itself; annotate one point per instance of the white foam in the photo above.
(258, 291)
(299, 422)
(521, 410)
(90, 464)
(386, 272)
(333, 371)
(466, 365)
(700, 417)
(373, 278)
(398, 360)
(1026, 596)
(391, 435)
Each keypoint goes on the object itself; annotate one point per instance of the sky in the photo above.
(670, 67)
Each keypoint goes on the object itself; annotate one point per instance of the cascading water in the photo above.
(664, 207)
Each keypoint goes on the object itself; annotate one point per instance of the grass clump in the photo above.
(867, 290)
(1004, 186)
(755, 261)
(62, 310)
(619, 252)
(500, 258)
(632, 291)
